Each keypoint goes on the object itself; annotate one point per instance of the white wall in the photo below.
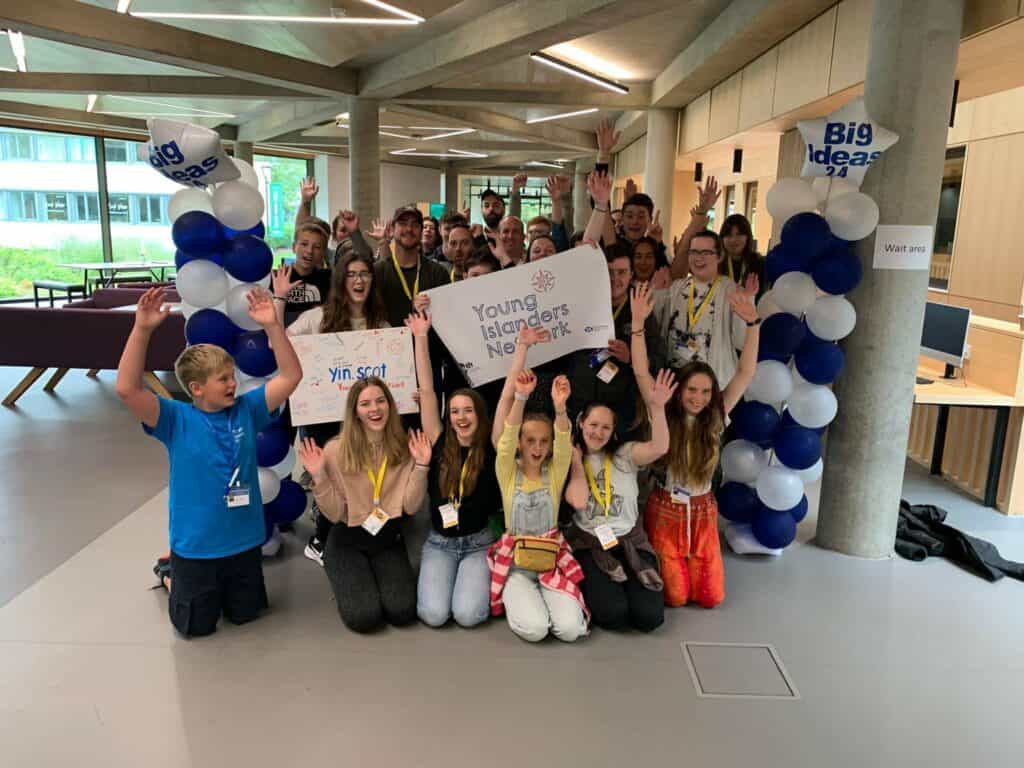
(399, 185)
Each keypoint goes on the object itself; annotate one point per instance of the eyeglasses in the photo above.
(619, 272)
(361, 275)
(705, 253)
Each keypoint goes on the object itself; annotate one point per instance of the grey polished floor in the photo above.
(897, 663)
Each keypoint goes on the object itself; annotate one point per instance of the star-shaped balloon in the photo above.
(844, 144)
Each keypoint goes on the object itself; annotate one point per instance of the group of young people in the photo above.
(574, 494)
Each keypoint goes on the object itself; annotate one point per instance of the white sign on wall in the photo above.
(333, 362)
(903, 246)
(568, 294)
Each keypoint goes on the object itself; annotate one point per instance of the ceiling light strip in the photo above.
(199, 112)
(457, 132)
(279, 19)
(122, 5)
(90, 102)
(589, 111)
(582, 74)
(395, 10)
(18, 49)
(538, 163)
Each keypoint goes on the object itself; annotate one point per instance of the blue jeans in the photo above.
(454, 579)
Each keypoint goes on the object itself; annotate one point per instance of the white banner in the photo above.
(333, 362)
(479, 319)
(903, 246)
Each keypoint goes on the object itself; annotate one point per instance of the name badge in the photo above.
(608, 371)
(377, 519)
(680, 495)
(237, 496)
(598, 357)
(449, 516)
(605, 536)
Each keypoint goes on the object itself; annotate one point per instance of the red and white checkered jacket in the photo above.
(565, 577)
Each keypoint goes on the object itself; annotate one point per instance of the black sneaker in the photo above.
(315, 551)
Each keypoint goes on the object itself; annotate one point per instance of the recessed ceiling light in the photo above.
(564, 114)
(583, 58)
(18, 49)
(582, 74)
(90, 102)
(279, 19)
(456, 132)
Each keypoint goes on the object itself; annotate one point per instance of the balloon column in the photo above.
(221, 256)
(779, 426)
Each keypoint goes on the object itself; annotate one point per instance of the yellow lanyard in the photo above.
(378, 480)
(703, 305)
(743, 270)
(457, 501)
(618, 309)
(606, 502)
(451, 275)
(401, 276)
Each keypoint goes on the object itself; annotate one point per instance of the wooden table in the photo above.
(962, 394)
(108, 270)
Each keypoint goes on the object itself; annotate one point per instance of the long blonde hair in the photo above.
(695, 443)
(354, 450)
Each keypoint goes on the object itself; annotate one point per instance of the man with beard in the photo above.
(400, 278)
(492, 207)
(458, 248)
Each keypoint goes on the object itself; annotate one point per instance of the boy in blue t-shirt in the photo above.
(216, 513)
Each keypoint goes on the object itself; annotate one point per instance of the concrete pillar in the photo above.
(568, 212)
(911, 59)
(660, 161)
(580, 200)
(243, 151)
(791, 161)
(364, 157)
(451, 187)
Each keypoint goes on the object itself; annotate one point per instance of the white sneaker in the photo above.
(315, 551)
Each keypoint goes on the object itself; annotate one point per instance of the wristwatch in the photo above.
(752, 323)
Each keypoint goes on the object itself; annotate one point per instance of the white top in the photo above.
(623, 512)
(710, 340)
(309, 322)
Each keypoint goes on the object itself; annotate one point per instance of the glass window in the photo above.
(118, 207)
(82, 149)
(279, 185)
(137, 196)
(751, 212)
(730, 200)
(87, 207)
(534, 198)
(117, 151)
(42, 226)
(149, 209)
(945, 226)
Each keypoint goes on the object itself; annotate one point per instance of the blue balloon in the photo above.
(198, 234)
(756, 422)
(211, 326)
(253, 354)
(772, 529)
(181, 258)
(737, 502)
(806, 236)
(258, 231)
(288, 505)
(780, 260)
(787, 420)
(799, 512)
(781, 335)
(271, 445)
(248, 258)
(838, 273)
(819, 361)
(797, 447)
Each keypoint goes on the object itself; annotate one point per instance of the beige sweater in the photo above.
(347, 497)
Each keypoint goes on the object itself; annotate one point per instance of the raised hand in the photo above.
(742, 300)
(529, 336)
(308, 189)
(261, 307)
(619, 350)
(519, 181)
(641, 304)
(708, 196)
(498, 251)
(599, 184)
(350, 220)
(282, 282)
(419, 447)
(662, 279)
(382, 229)
(664, 387)
(607, 138)
(526, 382)
(312, 456)
(151, 310)
(419, 323)
(476, 230)
(421, 303)
(466, 210)
(631, 189)
(560, 391)
(654, 229)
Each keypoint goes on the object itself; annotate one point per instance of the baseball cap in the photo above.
(405, 211)
(490, 193)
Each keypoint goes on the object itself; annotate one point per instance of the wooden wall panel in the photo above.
(805, 59)
(850, 54)
(996, 115)
(725, 108)
(695, 122)
(995, 360)
(980, 15)
(632, 160)
(757, 92)
(1005, 312)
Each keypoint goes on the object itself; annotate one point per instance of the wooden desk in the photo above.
(945, 393)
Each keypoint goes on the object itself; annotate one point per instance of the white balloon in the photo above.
(188, 154)
(238, 307)
(237, 205)
(248, 173)
(283, 469)
(201, 283)
(853, 216)
(272, 545)
(779, 488)
(831, 318)
(788, 197)
(813, 406)
(812, 474)
(743, 461)
(185, 200)
(794, 292)
(772, 382)
(831, 187)
(249, 383)
(270, 485)
(263, 283)
(766, 306)
(188, 310)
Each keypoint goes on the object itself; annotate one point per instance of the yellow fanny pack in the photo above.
(535, 553)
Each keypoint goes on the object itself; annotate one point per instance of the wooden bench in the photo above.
(56, 285)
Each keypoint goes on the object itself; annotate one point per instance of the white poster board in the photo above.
(333, 362)
(479, 319)
(903, 246)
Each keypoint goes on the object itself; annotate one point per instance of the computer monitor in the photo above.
(944, 335)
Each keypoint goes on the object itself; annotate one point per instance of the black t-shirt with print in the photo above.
(311, 291)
